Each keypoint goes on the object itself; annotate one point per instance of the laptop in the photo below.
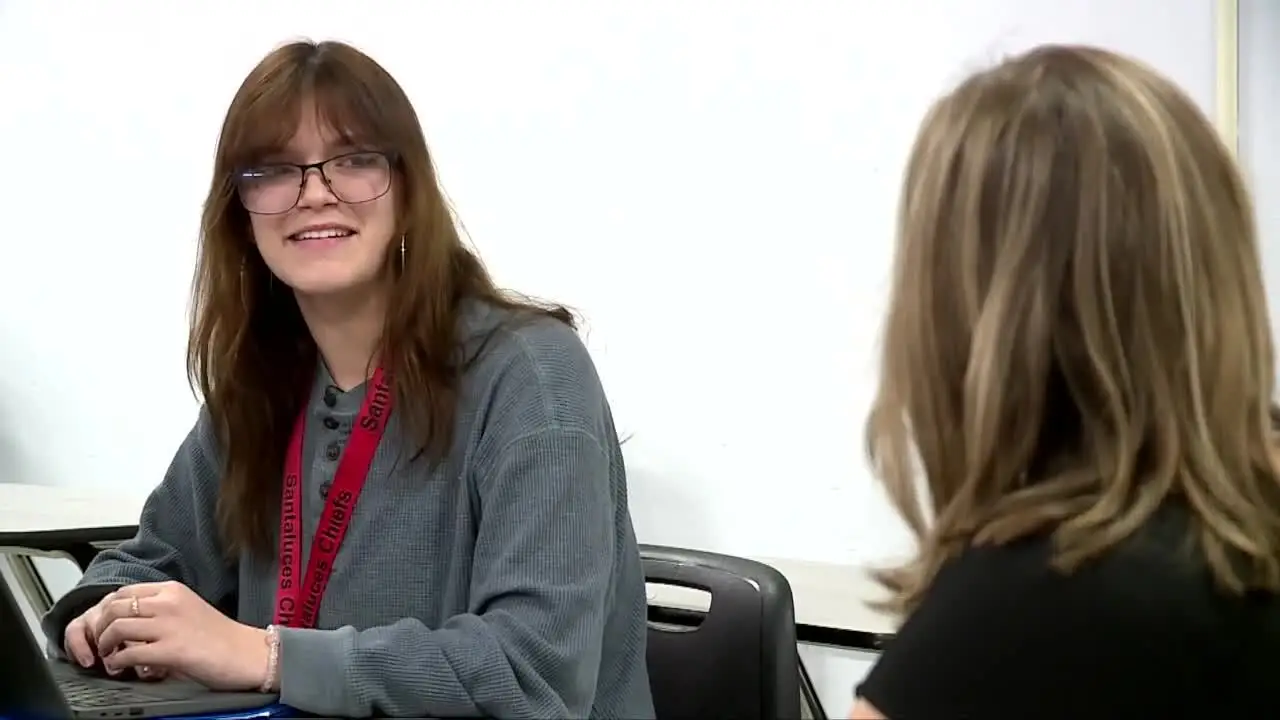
(34, 687)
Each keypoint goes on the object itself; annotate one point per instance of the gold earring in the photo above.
(402, 252)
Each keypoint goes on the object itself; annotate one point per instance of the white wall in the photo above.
(1260, 133)
(711, 183)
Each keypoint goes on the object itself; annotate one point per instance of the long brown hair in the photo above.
(250, 356)
(1077, 331)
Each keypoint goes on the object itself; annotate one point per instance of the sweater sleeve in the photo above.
(530, 647)
(176, 539)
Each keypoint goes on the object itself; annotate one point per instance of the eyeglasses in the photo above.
(352, 178)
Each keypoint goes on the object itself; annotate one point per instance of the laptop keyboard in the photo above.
(88, 694)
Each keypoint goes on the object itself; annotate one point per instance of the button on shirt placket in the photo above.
(332, 440)
(328, 462)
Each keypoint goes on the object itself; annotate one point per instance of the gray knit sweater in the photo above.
(504, 581)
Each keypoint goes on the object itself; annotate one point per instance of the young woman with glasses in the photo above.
(405, 489)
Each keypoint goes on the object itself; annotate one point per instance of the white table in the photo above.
(830, 600)
(77, 522)
(834, 596)
(65, 521)
(39, 508)
(830, 603)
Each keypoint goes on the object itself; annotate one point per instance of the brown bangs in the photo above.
(305, 76)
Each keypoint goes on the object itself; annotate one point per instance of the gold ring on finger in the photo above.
(134, 610)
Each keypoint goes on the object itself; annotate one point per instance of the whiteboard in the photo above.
(711, 184)
(1259, 57)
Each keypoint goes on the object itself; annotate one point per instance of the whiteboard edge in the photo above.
(1227, 90)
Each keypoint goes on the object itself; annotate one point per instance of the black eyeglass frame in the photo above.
(390, 157)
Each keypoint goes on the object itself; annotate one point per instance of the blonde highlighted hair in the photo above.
(1077, 332)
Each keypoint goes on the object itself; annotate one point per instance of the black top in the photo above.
(1141, 633)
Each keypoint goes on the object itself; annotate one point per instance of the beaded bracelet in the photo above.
(271, 681)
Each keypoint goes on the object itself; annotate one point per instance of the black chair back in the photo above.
(737, 660)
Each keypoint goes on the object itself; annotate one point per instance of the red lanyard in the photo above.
(298, 598)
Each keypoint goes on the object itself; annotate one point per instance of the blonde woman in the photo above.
(1078, 365)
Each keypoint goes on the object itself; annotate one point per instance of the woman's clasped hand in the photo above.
(161, 629)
